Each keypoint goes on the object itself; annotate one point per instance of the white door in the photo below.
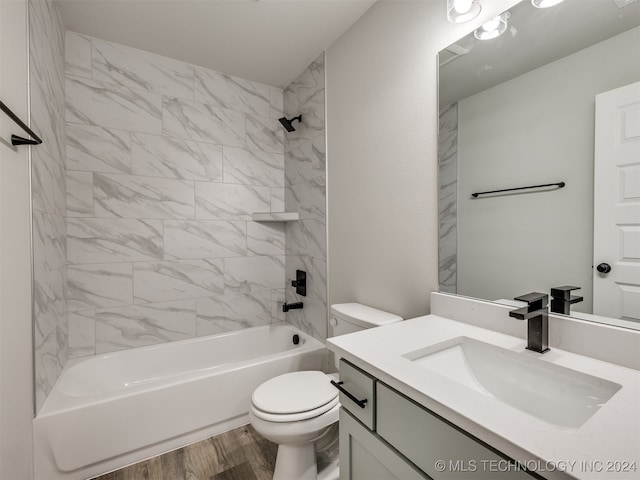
(616, 239)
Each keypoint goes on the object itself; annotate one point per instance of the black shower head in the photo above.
(287, 123)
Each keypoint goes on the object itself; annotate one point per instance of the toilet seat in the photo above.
(294, 417)
(294, 396)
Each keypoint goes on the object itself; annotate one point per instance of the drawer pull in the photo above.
(338, 385)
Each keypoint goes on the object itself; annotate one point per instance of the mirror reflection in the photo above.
(554, 100)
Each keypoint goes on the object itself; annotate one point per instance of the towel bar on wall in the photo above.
(15, 139)
(558, 184)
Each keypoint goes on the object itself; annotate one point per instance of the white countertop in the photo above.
(606, 443)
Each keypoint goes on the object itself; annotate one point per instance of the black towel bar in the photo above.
(558, 184)
(15, 139)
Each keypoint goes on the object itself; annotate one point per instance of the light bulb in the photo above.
(491, 25)
(545, 3)
(493, 28)
(462, 6)
(460, 11)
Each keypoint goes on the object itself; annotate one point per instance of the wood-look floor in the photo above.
(240, 454)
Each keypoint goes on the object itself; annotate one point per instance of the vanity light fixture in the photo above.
(545, 3)
(460, 11)
(493, 28)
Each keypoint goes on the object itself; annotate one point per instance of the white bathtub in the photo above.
(111, 410)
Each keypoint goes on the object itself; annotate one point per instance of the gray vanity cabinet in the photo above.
(364, 456)
(407, 441)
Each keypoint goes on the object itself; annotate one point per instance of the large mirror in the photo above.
(519, 110)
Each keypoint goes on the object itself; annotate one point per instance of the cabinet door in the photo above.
(362, 386)
(363, 456)
(439, 449)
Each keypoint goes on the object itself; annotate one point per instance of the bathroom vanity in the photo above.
(433, 397)
(398, 438)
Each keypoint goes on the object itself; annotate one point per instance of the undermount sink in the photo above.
(555, 394)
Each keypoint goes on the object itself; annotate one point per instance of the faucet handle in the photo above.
(561, 299)
(535, 300)
(564, 293)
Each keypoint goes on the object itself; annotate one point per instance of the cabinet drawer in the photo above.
(362, 387)
(363, 456)
(425, 439)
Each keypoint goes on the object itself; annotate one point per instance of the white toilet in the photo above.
(299, 410)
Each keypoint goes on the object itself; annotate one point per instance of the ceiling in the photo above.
(267, 41)
(535, 37)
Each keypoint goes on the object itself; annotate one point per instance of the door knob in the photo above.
(604, 268)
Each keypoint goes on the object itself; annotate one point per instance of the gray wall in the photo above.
(305, 176)
(16, 352)
(46, 75)
(382, 161)
(537, 128)
(166, 161)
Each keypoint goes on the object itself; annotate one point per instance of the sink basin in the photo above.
(555, 394)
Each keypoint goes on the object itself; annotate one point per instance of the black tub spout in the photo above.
(291, 306)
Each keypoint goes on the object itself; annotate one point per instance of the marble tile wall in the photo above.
(46, 83)
(166, 161)
(447, 198)
(305, 192)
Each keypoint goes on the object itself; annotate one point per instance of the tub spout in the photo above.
(291, 306)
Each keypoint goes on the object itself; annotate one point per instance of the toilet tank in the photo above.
(353, 317)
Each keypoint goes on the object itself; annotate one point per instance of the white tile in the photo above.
(42, 180)
(184, 239)
(277, 200)
(79, 194)
(101, 240)
(307, 198)
(311, 319)
(97, 149)
(277, 300)
(230, 202)
(265, 134)
(177, 280)
(142, 70)
(307, 237)
(306, 162)
(232, 92)
(77, 55)
(316, 270)
(169, 157)
(203, 123)
(248, 273)
(253, 168)
(131, 196)
(265, 238)
(139, 325)
(91, 102)
(233, 311)
(277, 103)
(82, 333)
(99, 285)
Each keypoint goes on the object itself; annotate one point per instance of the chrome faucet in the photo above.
(537, 316)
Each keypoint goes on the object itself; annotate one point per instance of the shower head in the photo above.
(287, 123)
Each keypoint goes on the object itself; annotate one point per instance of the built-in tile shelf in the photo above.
(275, 216)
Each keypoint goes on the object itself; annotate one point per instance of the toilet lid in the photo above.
(294, 392)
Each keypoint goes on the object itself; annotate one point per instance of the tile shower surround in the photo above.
(165, 163)
(447, 199)
(305, 193)
(46, 86)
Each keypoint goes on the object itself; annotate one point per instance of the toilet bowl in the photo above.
(299, 410)
(295, 410)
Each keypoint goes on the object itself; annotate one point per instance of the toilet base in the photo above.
(296, 462)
